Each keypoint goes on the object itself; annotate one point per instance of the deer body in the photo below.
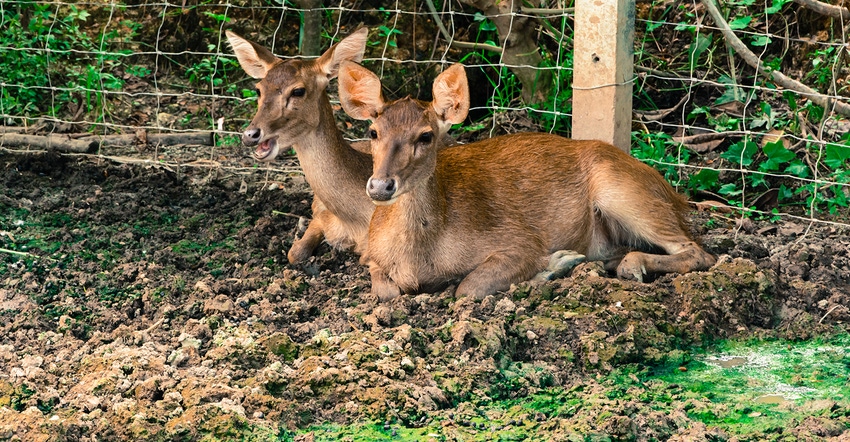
(294, 111)
(492, 212)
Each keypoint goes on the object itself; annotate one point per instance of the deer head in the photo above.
(291, 92)
(407, 133)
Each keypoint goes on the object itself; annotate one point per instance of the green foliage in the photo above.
(742, 152)
(486, 30)
(213, 72)
(389, 34)
(72, 62)
(823, 62)
(705, 179)
(700, 45)
(655, 149)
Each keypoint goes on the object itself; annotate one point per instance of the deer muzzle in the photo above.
(252, 136)
(381, 190)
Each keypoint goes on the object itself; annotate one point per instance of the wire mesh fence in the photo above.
(742, 103)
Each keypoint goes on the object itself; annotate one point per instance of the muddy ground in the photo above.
(154, 302)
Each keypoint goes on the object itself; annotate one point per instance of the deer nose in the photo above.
(251, 136)
(381, 189)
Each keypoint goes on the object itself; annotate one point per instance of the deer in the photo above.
(294, 111)
(492, 213)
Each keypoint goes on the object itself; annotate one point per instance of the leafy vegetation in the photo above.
(70, 65)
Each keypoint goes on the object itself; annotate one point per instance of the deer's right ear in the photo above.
(451, 95)
(350, 48)
(254, 59)
(360, 92)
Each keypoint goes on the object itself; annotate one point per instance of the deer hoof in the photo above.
(298, 253)
(560, 264)
(632, 270)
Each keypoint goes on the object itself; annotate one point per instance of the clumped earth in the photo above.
(154, 302)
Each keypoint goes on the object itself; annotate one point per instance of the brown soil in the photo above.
(161, 306)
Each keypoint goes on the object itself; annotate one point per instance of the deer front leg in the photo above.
(499, 271)
(303, 247)
(382, 286)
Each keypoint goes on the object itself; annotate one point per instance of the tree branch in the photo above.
(828, 103)
(452, 41)
(61, 143)
(822, 8)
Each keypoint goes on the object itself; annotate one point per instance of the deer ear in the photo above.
(451, 95)
(359, 92)
(350, 48)
(254, 59)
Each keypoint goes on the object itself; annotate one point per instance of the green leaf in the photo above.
(729, 189)
(741, 153)
(798, 169)
(776, 6)
(487, 25)
(760, 40)
(740, 23)
(776, 154)
(836, 155)
(683, 26)
(653, 25)
(785, 193)
(703, 41)
(757, 180)
(705, 179)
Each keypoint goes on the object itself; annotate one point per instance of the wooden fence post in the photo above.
(603, 70)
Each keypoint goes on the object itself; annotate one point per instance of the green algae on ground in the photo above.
(754, 390)
(757, 386)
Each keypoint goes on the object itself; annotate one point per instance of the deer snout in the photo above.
(381, 189)
(251, 136)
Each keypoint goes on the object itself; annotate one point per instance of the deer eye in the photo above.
(426, 137)
(373, 134)
(299, 92)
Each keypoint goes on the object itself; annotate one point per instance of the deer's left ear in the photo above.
(254, 59)
(451, 95)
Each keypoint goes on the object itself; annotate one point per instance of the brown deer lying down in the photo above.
(294, 110)
(492, 212)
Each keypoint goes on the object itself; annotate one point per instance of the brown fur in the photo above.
(336, 173)
(491, 212)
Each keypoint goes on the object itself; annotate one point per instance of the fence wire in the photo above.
(715, 126)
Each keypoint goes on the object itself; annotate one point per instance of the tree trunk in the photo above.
(311, 27)
(520, 48)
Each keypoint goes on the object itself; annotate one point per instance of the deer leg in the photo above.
(648, 212)
(560, 263)
(499, 271)
(682, 258)
(382, 286)
(302, 248)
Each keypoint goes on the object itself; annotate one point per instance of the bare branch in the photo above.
(777, 77)
(827, 9)
(62, 143)
(451, 40)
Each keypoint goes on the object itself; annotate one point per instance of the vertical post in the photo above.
(603, 69)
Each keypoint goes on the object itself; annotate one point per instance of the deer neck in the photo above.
(335, 171)
(324, 143)
(422, 210)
